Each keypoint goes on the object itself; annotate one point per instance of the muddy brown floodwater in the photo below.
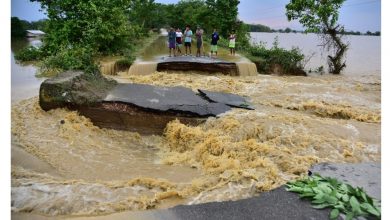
(64, 166)
(74, 168)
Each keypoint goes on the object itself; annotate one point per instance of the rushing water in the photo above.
(76, 168)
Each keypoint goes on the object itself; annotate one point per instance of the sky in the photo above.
(356, 15)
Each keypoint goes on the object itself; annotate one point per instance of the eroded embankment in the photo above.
(234, 156)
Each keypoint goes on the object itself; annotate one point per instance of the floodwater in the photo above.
(363, 55)
(24, 82)
(77, 169)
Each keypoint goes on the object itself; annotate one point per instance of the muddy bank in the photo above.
(242, 153)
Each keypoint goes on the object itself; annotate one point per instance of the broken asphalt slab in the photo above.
(135, 107)
(226, 98)
(156, 98)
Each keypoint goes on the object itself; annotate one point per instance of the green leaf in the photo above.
(340, 206)
(370, 209)
(305, 195)
(364, 196)
(330, 199)
(343, 187)
(321, 206)
(318, 201)
(295, 189)
(354, 204)
(349, 216)
(319, 196)
(345, 198)
(334, 213)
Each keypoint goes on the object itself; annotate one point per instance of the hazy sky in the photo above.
(357, 15)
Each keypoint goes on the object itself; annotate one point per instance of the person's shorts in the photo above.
(187, 44)
(178, 45)
(199, 44)
(232, 45)
(214, 48)
(172, 45)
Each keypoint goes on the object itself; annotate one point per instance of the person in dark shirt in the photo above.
(214, 43)
(172, 42)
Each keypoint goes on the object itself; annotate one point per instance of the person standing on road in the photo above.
(179, 40)
(199, 41)
(232, 43)
(172, 42)
(188, 39)
(214, 43)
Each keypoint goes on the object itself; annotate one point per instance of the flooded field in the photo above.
(63, 165)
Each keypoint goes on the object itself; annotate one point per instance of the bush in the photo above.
(30, 53)
(267, 60)
(76, 58)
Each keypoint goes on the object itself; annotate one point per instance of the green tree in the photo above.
(224, 15)
(99, 24)
(259, 28)
(142, 12)
(39, 25)
(321, 16)
(18, 27)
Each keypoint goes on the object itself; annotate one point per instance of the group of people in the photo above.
(175, 42)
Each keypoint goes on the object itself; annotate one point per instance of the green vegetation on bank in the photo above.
(325, 192)
(276, 60)
(267, 29)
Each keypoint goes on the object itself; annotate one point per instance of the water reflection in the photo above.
(24, 83)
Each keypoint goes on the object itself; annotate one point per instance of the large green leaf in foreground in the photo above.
(326, 192)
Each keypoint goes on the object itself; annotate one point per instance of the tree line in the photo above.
(267, 29)
(19, 27)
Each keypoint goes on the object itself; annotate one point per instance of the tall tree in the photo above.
(224, 15)
(18, 27)
(99, 24)
(321, 16)
(142, 12)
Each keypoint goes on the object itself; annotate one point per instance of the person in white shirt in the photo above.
(232, 43)
(188, 39)
(179, 40)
